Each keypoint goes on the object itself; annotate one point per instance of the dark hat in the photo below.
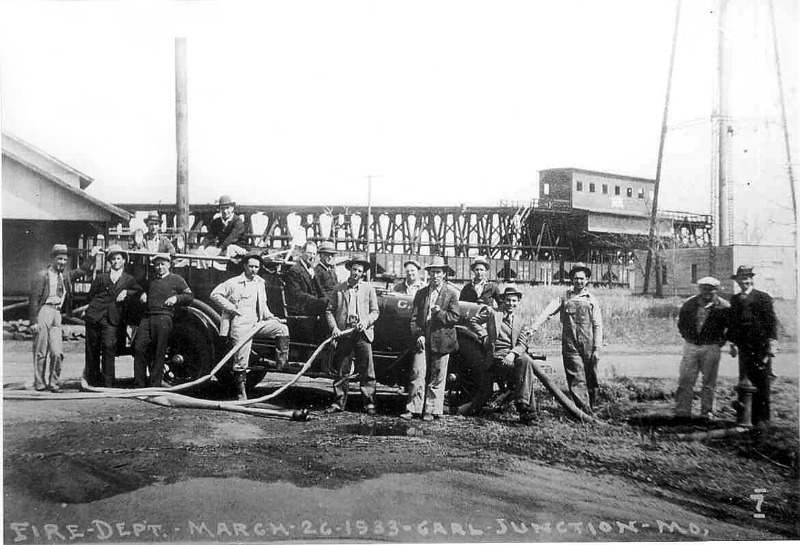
(252, 255)
(153, 216)
(479, 260)
(439, 263)
(357, 260)
(114, 249)
(743, 270)
(59, 249)
(226, 200)
(511, 290)
(412, 262)
(578, 267)
(162, 256)
(327, 248)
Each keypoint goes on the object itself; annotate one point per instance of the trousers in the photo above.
(427, 396)
(523, 379)
(241, 326)
(697, 358)
(48, 347)
(581, 373)
(150, 349)
(360, 347)
(101, 351)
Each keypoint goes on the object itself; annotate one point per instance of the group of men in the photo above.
(706, 322)
(348, 311)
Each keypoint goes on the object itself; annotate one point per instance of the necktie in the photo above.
(60, 286)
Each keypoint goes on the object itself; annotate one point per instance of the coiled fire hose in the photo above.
(170, 397)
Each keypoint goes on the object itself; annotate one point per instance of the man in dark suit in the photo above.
(434, 316)
(51, 293)
(353, 304)
(508, 343)
(325, 271)
(303, 294)
(108, 292)
(227, 236)
(754, 332)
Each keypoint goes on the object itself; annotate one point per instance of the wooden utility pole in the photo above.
(654, 212)
(369, 221)
(181, 136)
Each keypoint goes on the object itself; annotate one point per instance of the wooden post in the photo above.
(181, 137)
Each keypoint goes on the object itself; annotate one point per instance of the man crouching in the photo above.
(243, 300)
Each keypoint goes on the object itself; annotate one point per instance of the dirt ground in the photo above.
(123, 470)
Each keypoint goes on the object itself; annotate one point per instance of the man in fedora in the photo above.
(753, 334)
(354, 304)
(227, 236)
(152, 241)
(508, 345)
(434, 315)
(412, 283)
(481, 289)
(164, 292)
(325, 271)
(581, 336)
(303, 295)
(703, 324)
(107, 294)
(243, 300)
(51, 293)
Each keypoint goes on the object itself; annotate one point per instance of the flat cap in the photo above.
(708, 281)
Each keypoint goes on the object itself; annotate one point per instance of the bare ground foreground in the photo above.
(114, 470)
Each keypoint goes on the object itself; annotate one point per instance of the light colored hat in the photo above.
(439, 263)
(412, 262)
(226, 200)
(327, 248)
(708, 281)
(59, 249)
(114, 249)
(479, 260)
(164, 256)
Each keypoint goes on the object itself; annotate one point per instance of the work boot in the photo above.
(239, 381)
(281, 352)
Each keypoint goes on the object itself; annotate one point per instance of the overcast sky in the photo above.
(446, 102)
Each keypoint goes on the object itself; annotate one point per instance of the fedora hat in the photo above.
(327, 248)
(162, 256)
(59, 249)
(578, 267)
(357, 261)
(153, 217)
(114, 249)
(225, 200)
(743, 270)
(439, 263)
(511, 290)
(412, 262)
(479, 260)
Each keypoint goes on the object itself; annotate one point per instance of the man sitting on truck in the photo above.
(243, 300)
(227, 235)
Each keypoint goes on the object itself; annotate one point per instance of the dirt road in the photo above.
(105, 470)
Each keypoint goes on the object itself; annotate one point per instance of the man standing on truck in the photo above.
(434, 315)
(165, 291)
(508, 344)
(354, 304)
(303, 295)
(325, 271)
(51, 292)
(243, 300)
(107, 294)
(152, 241)
(581, 336)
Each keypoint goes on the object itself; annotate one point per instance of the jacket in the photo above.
(402, 287)
(325, 279)
(490, 294)
(40, 290)
(752, 320)
(228, 294)
(221, 235)
(521, 335)
(366, 303)
(103, 297)
(440, 331)
(714, 330)
(165, 246)
(300, 289)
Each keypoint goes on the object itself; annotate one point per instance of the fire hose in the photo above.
(170, 397)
